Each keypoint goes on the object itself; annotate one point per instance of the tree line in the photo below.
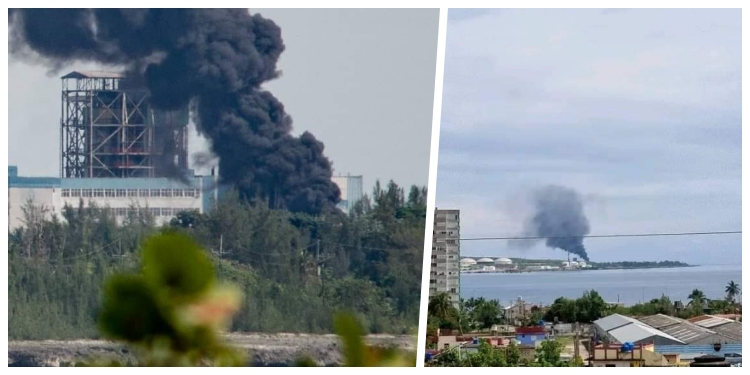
(477, 314)
(295, 270)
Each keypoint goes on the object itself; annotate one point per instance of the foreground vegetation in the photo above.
(370, 264)
(477, 314)
(548, 354)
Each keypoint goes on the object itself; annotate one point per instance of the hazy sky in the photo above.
(638, 110)
(361, 80)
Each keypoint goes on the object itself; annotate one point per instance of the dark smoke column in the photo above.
(558, 217)
(215, 59)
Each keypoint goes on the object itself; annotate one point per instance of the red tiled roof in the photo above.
(530, 330)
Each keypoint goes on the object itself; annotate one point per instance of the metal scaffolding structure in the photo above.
(108, 129)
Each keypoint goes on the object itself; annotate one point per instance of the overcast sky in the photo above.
(638, 110)
(361, 80)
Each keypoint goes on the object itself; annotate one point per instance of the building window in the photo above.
(155, 192)
(121, 211)
(132, 193)
(121, 193)
(177, 192)
(98, 193)
(86, 193)
(143, 193)
(197, 193)
(154, 211)
(166, 193)
(189, 193)
(130, 211)
(110, 193)
(166, 212)
(65, 192)
(75, 192)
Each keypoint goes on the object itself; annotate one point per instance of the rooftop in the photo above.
(613, 321)
(659, 321)
(635, 332)
(678, 328)
(731, 330)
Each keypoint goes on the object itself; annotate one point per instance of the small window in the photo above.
(121, 211)
(132, 193)
(86, 193)
(155, 192)
(197, 193)
(189, 193)
(120, 193)
(177, 192)
(166, 212)
(166, 193)
(143, 193)
(75, 192)
(154, 211)
(98, 193)
(109, 193)
(65, 192)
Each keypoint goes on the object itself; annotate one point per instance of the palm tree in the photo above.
(440, 306)
(732, 290)
(697, 297)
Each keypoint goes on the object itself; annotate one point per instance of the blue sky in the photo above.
(638, 110)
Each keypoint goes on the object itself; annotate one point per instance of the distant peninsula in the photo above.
(513, 265)
(522, 262)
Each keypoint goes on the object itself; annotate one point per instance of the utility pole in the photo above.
(317, 255)
(576, 350)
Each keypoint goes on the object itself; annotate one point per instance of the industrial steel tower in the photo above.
(109, 130)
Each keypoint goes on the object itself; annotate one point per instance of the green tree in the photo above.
(732, 290)
(697, 297)
(548, 353)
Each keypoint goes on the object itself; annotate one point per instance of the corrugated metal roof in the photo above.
(659, 321)
(635, 332)
(678, 328)
(731, 330)
(613, 321)
(712, 321)
(687, 332)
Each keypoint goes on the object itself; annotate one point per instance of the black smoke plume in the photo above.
(214, 59)
(558, 218)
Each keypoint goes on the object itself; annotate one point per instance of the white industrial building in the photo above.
(163, 197)
(351, 191)
(446, 253)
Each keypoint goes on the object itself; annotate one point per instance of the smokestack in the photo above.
(213, 59)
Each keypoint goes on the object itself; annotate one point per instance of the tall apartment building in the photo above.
(446, 252)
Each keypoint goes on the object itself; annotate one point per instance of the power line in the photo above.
(606, 236)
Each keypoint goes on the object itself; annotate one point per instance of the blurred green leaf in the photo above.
(175, 262)
(131, 311)
(349, 332)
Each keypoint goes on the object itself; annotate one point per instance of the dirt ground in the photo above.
(264, 349)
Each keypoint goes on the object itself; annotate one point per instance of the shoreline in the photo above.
(578, 269)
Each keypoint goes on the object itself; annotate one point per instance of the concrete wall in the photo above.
(46, 198)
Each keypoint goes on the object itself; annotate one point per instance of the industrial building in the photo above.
(351, 191)
(117, 151)
(446, 253)
(621, 329)
(694, 334)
